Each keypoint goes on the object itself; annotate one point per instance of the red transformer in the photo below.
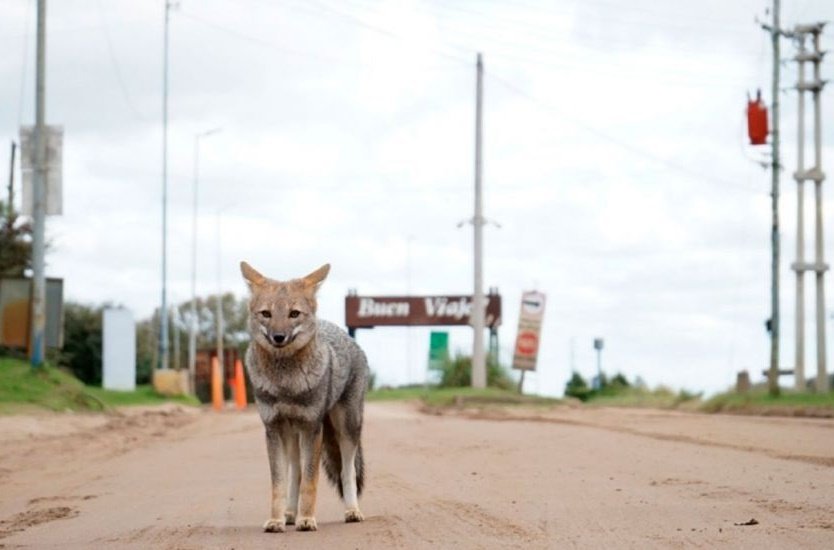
(757, 120)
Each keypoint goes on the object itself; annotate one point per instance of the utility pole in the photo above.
(37, 346)
(10, 205)
(773, 373)
(799, 266)
(821, 267)
(816, 175)
(219, 309)
(175, 314)
(163, 313)
(479, 378)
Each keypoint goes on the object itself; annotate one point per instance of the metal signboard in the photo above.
(529, 330)
(54, 168)
(371, 311)
(438, 349)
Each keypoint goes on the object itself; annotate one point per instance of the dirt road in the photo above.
(568, 478)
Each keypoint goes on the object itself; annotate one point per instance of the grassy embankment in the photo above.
(25, 390)
(756, 403)
(788, 403)
(440, 397)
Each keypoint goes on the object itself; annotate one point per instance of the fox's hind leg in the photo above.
(294, 478)
(349, 450)
(347, 426)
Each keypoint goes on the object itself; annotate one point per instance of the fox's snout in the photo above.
(279, 338)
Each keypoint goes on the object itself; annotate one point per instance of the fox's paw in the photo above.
(290, 518)
(273, 525)
(306, 524)
(353, 516)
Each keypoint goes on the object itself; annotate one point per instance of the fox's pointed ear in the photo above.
(317, 277)
(253, 278)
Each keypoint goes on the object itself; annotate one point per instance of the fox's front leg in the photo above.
(294, 480)
(276, 451)
(310, 454)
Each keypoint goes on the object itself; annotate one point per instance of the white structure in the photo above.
(119, 350)
(816, 175)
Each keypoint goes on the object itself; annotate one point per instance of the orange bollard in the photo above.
(216, 385)
(240, 386)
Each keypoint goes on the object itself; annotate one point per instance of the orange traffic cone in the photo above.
(240, 386)
(216, 385)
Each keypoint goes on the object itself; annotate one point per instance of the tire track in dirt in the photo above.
(456, 516)
(36, 514)
(504, 415)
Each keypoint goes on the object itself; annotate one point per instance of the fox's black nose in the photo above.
(279, 338)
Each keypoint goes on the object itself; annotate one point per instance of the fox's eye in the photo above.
(294, 313)
(265, 314)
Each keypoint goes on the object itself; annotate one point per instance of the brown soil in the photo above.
(488, 478)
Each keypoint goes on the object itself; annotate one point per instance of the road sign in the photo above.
(529, 327)
(438, 349)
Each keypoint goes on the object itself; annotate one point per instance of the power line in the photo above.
(590, 129)
(619, 142)
(115, 64)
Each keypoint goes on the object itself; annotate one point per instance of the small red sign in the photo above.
(527, 343)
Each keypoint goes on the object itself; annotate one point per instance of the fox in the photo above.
(309, 380)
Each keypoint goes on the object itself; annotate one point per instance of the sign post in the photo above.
(599, 343)
(530, 319)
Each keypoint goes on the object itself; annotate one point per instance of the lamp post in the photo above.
(220, 322)
(192, 329)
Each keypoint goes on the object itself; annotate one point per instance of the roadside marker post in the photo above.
(216, 385)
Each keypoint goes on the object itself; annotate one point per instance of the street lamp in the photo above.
(192, 332)
(219, 321)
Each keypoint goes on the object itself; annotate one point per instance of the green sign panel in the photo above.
(438, 349)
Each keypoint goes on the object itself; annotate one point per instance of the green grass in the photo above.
(444, 397)
(660, 398)
(787, 402)
(23, 389)
(144, 395)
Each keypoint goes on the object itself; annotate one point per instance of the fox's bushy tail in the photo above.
(332, 459)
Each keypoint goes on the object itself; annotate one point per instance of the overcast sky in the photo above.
(614, 161)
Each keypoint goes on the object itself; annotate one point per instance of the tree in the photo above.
(577, 387)
(15, 240)
(457, 373)
(82, 342)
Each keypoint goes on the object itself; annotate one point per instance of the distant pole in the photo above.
(163, 318)
(773, 373)
(409, 240)
(479, 378)
(192, 325)
(10, 195)
(599, 343)
(219, 305)
(36, 350)
(175, 314)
